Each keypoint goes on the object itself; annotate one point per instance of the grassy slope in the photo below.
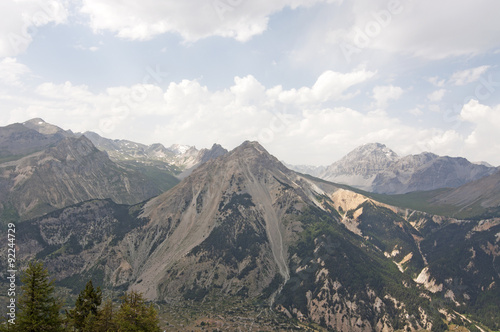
(423, 201)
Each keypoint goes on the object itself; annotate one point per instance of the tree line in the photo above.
(40, 310)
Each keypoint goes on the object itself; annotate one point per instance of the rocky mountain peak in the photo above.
(252, 154)
(28, 137)
(365, 161)
(250, 147)
(373, 150)
(375, 167)
(43, 127)
(215, 151)
(179, 149)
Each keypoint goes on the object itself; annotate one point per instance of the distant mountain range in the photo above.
(241, 227)
(43, 167)
(376, 168)
(177, 157)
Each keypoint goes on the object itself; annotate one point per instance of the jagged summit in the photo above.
(375, 151)
(208, 154)
(248, 146)
(253, 156)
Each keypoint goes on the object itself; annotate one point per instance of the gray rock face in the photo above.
(376, 168)
(214, 152)
(18, 140)
(72, 171)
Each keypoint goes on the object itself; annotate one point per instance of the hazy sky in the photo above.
(309, 79)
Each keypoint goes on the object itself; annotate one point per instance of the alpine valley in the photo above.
(234, 240)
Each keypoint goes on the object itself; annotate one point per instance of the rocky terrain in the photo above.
(45, 168)
(70, 172)
(376, 168)
(243, 241)
(177, 158)
(22, 139)
(243, 226)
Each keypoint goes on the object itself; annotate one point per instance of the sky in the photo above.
(309, 79)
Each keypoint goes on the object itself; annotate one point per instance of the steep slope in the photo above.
(244, 226)
(474, 198)
(233, 203)
(374, 167)
(72, 171)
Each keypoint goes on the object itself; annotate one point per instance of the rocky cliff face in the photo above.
(375, 168)
(72, 171)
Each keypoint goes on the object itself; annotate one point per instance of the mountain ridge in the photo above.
(374, 167)
(243, 225)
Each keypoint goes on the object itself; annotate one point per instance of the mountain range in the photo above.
(241, 227)
(43, 167)
(376, 168)
(177, 158)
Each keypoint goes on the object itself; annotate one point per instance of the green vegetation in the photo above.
(86, 306)
(38, 308)
(9, 214)
(6, 156)
(135, 315)
(387, 231)
(458, 258)
(163, 174)
(353, 262)
(226, 313)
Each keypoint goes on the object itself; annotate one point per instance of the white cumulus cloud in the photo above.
(483, 142)
(382, 94)
(437, 95)
(193, 20)
(468, 76)
(330, 85)
(12, 72)
(20, 21)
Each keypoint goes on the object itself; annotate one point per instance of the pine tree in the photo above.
(135, 315)
(105, 320)
(38, 308)
(87, 304)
